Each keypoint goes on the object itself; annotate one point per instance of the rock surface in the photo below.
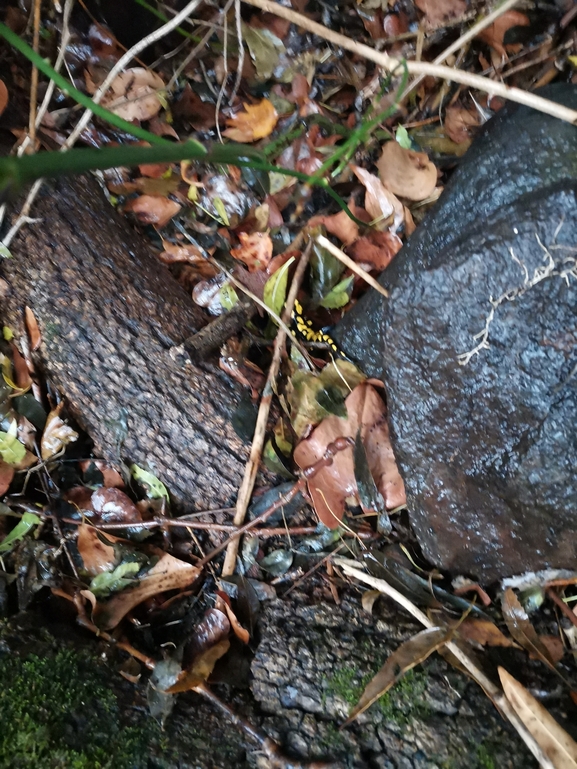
(478, 350)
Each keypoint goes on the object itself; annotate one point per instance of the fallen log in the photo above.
(112, 318)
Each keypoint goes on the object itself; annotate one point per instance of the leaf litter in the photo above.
(298, 109)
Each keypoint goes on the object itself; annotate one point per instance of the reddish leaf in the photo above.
(460, 123)
(32, 328)
(3, 96)
(97, 556)
(485, 633)
(6, 474)
(438, 13)
(114, 506)
(331, 486)
(375, 250)
(494, 34)
(153, 210)
(341, 225)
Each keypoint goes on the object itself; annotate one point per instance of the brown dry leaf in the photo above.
(201, 668)
(133, 95)
(168, 573)
(21, 371)
(255, 250)
(3, 96)
(381, 203)
(256, 122)
(32, 328)
(57, 434)
(553, 740)
(485, 633)
(438, 13)
(173, 252)
(151, 209)
(522, 630)
(494, 34)
(331, 486)
(368, 600)
(97, 557)
(6, 474)
(340, 225)
(376, 250)
(240, 632)
(407, 656)
(407, 173)
(460, 124)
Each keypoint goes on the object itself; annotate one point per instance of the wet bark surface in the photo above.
(477, 346)
(112, 319)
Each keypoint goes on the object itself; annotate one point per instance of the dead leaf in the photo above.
(522, 630)
(114, 506)
(6, 474)
(175, 252)
(381, 204)
(438, 13)
(494, 34)
(168, 573)
(368, 600)
(376, 250)
(331, 486)
(110, 476)
(21, 370)
(485, 633)
(57, 434)
(407, 656)
(32, 328)
(256, 122)
(553, 740)
(255, 250)
(133, 95)
(460, 124)
(3, 96)
(151, 209)
(340, 225)
(406, 173)
(97, 556)
(201, 668)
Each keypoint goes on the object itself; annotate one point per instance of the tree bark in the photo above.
(112, 318)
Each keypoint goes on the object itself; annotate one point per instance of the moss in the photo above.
(484, 758)
(403, 702)
(58, 713)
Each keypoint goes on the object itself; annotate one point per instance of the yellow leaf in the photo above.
(256, 122)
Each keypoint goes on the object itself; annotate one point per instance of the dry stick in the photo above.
(346, 260)
(419, 67)
(34, 76)
(493, 692)
(251, 468)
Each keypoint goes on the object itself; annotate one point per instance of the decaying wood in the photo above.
(112, 320)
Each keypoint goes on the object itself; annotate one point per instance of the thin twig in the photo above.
(419, 67)
(34, 75)
(346, 260)
(493, 692)
(251, 468)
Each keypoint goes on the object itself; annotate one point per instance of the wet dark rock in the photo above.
(477, 346)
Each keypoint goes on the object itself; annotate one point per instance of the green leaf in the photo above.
(275, 288)
(27, 522)
(221, 211)
(7, 333)
(403, 138)
(339, 295)
(155, 489)
(11, 450)
(113, 581)
(265, 50)
(326, 271)
(5, 252)
(228, 296)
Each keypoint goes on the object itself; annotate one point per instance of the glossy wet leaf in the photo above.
(407, 656)
(284, 513)
(339, 295)
(553, 740)
(22, 528)
(201, 668)
(164, 675)
(278, 562)
(155, 489)
(369, 496)
(325, 272)
(275, 288)
(331, 399)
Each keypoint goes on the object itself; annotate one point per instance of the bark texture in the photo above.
(112, 318)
